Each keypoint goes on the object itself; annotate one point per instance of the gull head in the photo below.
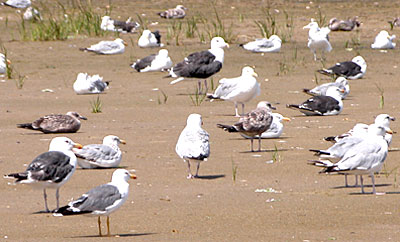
(218, 42)
(113, 140)
(359, 60)
(63, 144)
(384, 120)
(275, 38)
(341, 80)
(377, 130)
(120, 41)
(248, 71)
(163, 53)
(194, 120)
(122, 174)
(311, 25)
(76, 115)
(280, 117)
(180, 7)
(266, 104)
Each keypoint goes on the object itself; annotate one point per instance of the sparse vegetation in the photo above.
(198, 97)
(321, 18)
(234, 170)
(164, 98)
(276, 157)
(174, 31)
(270, 26)
(96, 105)
(381, 95)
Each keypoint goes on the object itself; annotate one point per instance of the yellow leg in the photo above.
(99, 222)
(108, 226)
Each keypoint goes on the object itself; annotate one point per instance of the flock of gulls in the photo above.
(361, 151)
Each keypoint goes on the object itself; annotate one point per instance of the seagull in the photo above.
(86, 84)
(116, 46)
(201, 64)
(359, 129)
(104, 155)
(177, 12)
(108, 24)
(17, 3)
(155, 62)
(56, 123)
(150, 39)
(343, 25)
(340, 82)
(384, 41)
(32, 14)
(354, 69)
(365, 158)
(193, 143)
(275, 130)
(51, 169)
(3, 63)
(101, 200)
(239, 89)
(270, 45)
(318, 39)
(253, 123)
(331, 104)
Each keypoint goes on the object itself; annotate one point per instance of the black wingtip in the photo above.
(330, 138)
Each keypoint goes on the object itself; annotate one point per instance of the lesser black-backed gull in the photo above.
(108, 24)
(51, 169)
(354, 69)
(101, 200)
(340, 82)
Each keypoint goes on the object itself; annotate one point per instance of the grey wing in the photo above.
(193, 144)
(97, 199)
(50, 166)
(96, 152)
(362, 157)
(104, 46)
(340, 148)
(264, 43)
(99, 85)
(143, 63)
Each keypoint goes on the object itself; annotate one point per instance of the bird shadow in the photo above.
(103, 168)
(44, 212)
(377, 185)
(210, 177)
(255, 152)
(113, 236)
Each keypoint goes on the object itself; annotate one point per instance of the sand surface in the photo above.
(163, 205)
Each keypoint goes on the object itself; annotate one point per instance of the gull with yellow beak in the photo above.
(240, 89)
(116, 46)
(101, 200)
(384, 41)
(106, 155)
(51, 169)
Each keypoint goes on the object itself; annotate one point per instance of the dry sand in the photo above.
(163, 205)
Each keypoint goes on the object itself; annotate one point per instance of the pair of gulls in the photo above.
(360, 151)
(54, 168)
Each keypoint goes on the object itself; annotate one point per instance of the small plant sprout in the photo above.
(381, 95)
(164, 98)
(198, 97)
(276, 157)
(234, 170)
(96, 105)
(321, 18)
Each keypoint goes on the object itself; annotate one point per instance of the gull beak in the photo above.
(273, 108)
(132, 175)
(286, 119)
(8, 62)
(342, 90)
(392, 118)
(122, 141)
(81, 117)
(389, 131)
(227, 45)
(78, 146)
(255, 74)
(126, 44)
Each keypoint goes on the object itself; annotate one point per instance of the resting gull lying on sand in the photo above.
(384, 41)
(155, 62)
(340, 82)
(86, 84)
(270, 45)
(354, 69)
(150, 39)
(177, 12)
(116, 46)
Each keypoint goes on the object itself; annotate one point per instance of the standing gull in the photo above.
(177, 12)
(51, 169)
(354, 69)
(384, 41)
(116, 46)
(56, 123)
(253, 123)
(331, 104)
(108, 24)
(270, 45)
(17, 3)
(104, 155)
(193, 143)
(275, 130)
(318, 39)
(101, 200)
(340, 82)
(365, 158)
(201, 64)
(150, 39)
(155, 62)
(86, 84)
(343, 25)
(238, 90)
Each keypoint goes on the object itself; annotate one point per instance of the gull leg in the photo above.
(199, 86)
(236, 110)
(108, 226)
(197, 170)
(99, 223)
(315, 55)
(345, 181)
(46, 208)
(190, 176)
(362, 184)
(373, 183)
(205, 85)
(252, 144)
(242, 109)
(259, 143)
(356, 184)
(57, 197)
